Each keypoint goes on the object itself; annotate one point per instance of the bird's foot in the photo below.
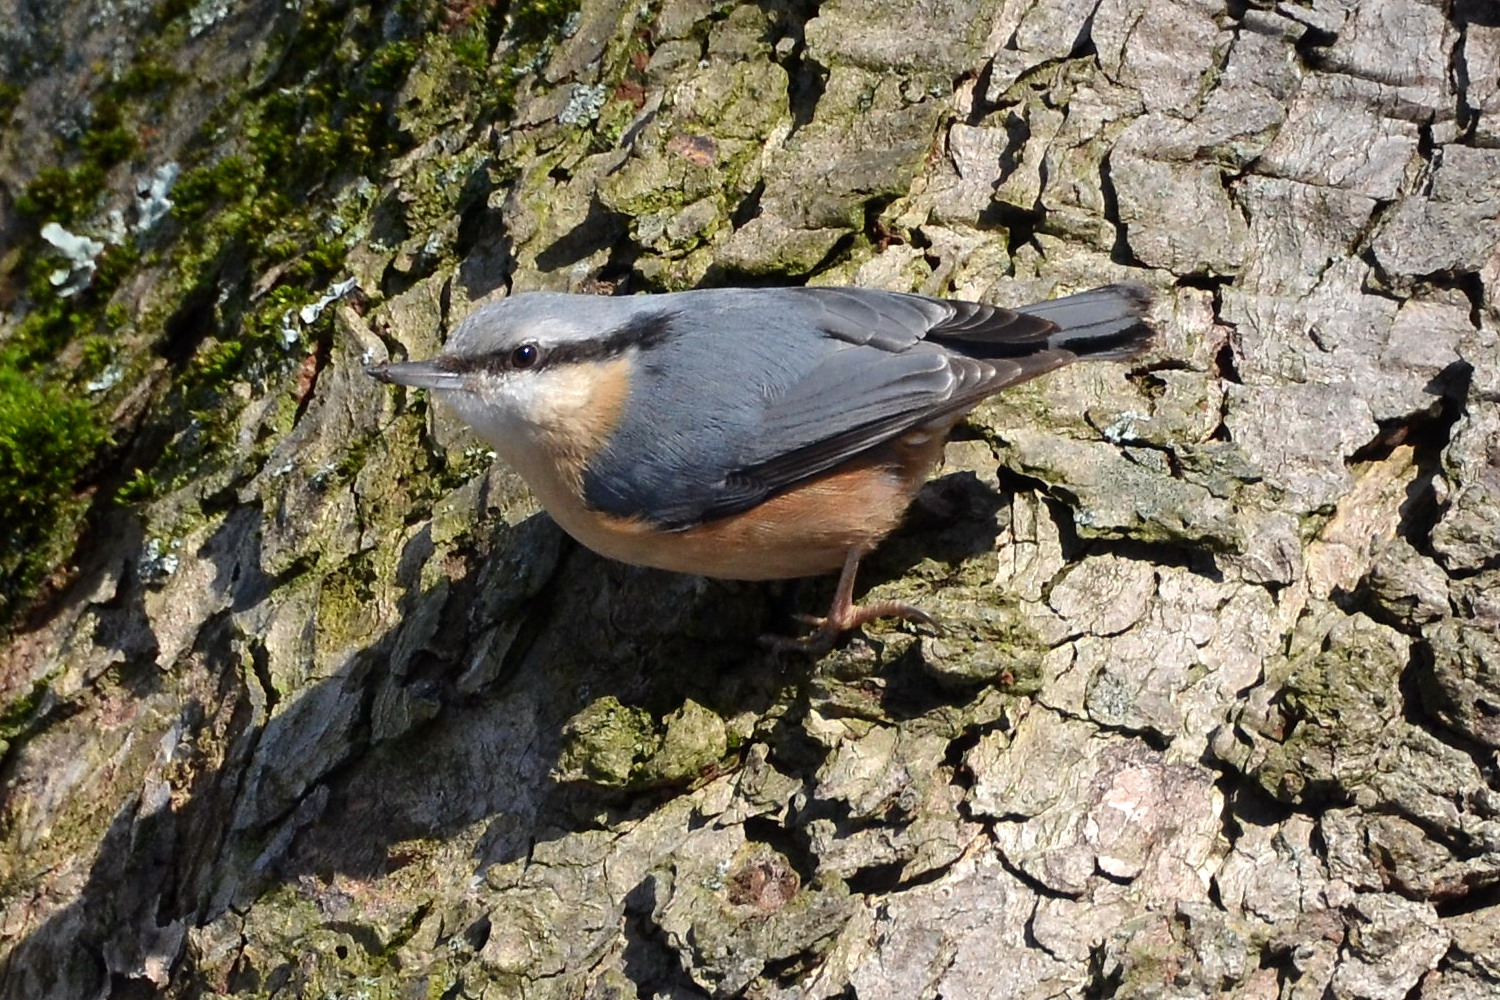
(827, 631)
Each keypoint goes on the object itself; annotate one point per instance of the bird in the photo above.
(749, 433)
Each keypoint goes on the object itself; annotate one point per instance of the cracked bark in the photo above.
(1215, 707)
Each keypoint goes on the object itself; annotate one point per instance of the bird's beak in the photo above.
(420, 374)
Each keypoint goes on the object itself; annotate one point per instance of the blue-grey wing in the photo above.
(786, 384)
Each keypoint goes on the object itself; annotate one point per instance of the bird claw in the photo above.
(827, 631)
(815, 643)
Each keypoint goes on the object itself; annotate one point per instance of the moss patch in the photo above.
(47, 440)
(610, 745)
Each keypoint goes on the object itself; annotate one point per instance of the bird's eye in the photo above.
(525, 356)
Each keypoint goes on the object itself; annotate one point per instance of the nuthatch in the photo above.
(749, 434)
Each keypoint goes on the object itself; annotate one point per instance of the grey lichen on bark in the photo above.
(325, 706)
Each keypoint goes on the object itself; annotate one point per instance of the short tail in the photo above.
(1103, 324)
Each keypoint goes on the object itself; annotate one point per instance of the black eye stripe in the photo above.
(641, 332)
(522, 358)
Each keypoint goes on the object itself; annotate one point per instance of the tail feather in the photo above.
(1103, 324)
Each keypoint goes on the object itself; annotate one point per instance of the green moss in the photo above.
(47, 439)
(352, 461)
(607, 744)
(111, 145)
(148, 76)
(246, 202)
(171, 10)
(611, 745)
(330, 118)
(614, 119)
(117, 262)
(1341, 693)
(387, 69)
(321, 119)
(44, 331)
(108, 139)
(51, 320)
(536, 20)
(346, 601)
(62, 194)
(471, 43)
(209, 186)
(217, 364)
(140, 487)
(17, 713)
(20, 716)
(10, 99)
(96, 352)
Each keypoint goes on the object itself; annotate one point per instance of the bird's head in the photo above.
(542, 368)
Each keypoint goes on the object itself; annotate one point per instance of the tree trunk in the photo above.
(322, 705)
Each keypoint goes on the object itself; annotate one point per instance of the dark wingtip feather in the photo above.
(1136, 293)
(1121, 345)
(1102, 324)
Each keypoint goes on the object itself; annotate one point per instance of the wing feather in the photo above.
(844, 370)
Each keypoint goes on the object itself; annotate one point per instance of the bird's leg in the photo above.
(844, 615)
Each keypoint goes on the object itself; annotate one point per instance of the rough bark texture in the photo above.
(327, 708)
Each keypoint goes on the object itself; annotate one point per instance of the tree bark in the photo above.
(332, 709)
